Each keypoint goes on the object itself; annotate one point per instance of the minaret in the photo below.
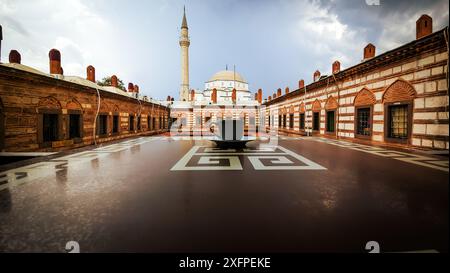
(184, 44)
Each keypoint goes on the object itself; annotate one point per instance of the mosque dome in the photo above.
(227, 75)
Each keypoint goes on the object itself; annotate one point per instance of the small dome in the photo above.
(227, 75)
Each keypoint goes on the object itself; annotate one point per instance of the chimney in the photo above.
(130, 87)
(168, 98)
(270, 98)
(136, 88)
(279, 92)
(336, 67)
(316, 76)
(192, 95)
(256, 96)
(55, 62)
(369, 51)
(90, 72)
(274, 95)
(114, 81)
(301, 84)
(214, 95)
(286, 90)
(14, 57)
(424, 26)
(233, 95)
(260, 96)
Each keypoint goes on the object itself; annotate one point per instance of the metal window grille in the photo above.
(363, 122)
(398, 121)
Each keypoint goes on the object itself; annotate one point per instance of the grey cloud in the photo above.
(16, 26)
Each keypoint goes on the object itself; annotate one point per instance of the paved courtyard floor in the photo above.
(162, 194)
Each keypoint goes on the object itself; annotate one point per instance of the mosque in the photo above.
(226, 95)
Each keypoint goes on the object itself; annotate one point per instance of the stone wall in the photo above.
(25, 96)
(415, 74)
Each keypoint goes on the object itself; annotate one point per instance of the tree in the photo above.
(106, 81)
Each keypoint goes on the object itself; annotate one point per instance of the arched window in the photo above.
(50, 121)
(330, 116)
(291, 117)
(316, 107)
(302, 112)
(74, 121)
(363, 103)
(115, 120)
(102, 128)
(398, 101)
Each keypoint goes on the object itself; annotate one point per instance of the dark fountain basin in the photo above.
(231, 134)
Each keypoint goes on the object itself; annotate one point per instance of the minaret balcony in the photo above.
(185, 42)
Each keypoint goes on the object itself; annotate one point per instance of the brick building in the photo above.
(398, 97)
(51, 112)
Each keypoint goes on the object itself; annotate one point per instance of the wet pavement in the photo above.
(158, 194)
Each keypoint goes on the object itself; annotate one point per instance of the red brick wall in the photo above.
(25, 96)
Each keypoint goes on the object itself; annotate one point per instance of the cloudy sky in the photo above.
(272, 43)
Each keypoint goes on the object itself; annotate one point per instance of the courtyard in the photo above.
(180, 194)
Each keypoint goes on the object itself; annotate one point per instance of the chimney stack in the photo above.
(130, 87)
(233, 95)
(114, 81)
(301, 84)
(260, 96)
(316, 76)
(270, 98)
(336, 67)
(14, 57)
(136, 88)
(424, 26)
(55, 62)
(286, 90)
(192, 95)
(90, 72)
(369, 51)
(256, 96)
(214, 95)
(279, 92)
(168, 98)
(274, 95)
